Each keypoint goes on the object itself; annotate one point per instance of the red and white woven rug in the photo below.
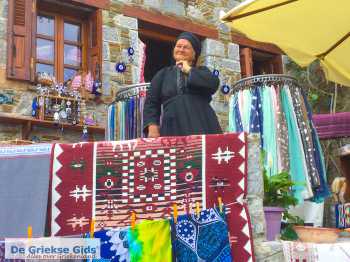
(108, 180)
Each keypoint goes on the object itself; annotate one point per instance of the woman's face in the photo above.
(183, 50)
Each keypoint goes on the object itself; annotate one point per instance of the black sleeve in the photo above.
(152, 107)
(201, 78)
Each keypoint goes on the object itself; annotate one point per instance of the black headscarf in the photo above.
(195, 42)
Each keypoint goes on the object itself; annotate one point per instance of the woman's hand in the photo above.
(184, 66)
(153, 131)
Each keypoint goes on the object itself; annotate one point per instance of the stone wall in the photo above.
(121, 32)
(265, 251)
(220, 54)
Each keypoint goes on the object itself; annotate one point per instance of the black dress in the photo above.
(185, 100)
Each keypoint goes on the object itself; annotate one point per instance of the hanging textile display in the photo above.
(147, 241)
(109, 180)
(276, 107)
(125, 118)
(124, 115)
(201, 237)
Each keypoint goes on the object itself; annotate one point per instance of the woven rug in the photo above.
(108, 180)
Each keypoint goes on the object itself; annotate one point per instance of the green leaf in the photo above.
(277, 190)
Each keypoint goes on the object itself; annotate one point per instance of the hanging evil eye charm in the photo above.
(96, 88)
(131, 51)
(34, 106)
(120, 67)
(56, 116)
(85, 134)
(216, 72)
(225, 89)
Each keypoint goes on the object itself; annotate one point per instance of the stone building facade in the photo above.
(123, 23)
(121, 29)
(119, 32)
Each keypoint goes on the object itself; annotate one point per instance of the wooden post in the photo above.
(246, 57)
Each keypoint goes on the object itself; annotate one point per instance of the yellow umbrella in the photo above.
(304, 29)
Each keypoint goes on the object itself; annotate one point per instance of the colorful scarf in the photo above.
(150, 241)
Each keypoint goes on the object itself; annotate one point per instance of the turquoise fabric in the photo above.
(323, 192)
(297, 161)
(247, 104)
(269, 132)
(233, 116)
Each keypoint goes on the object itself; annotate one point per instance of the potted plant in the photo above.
(277, 198)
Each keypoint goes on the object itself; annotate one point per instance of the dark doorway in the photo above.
(158, 55)
(159, 41)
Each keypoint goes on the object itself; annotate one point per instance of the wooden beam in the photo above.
(26, 129)
(103, 4)
(156, 35)
(244, 41)
(21, 120)
(171, 22)
(246, 58)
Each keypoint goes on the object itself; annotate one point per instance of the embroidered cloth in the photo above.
(312, 252)
(114, 244)
(201, 238)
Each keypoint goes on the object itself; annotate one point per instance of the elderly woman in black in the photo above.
(185, 92)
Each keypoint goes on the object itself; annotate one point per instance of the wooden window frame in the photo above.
(21, 48)
(59, 42)
(247, 47)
